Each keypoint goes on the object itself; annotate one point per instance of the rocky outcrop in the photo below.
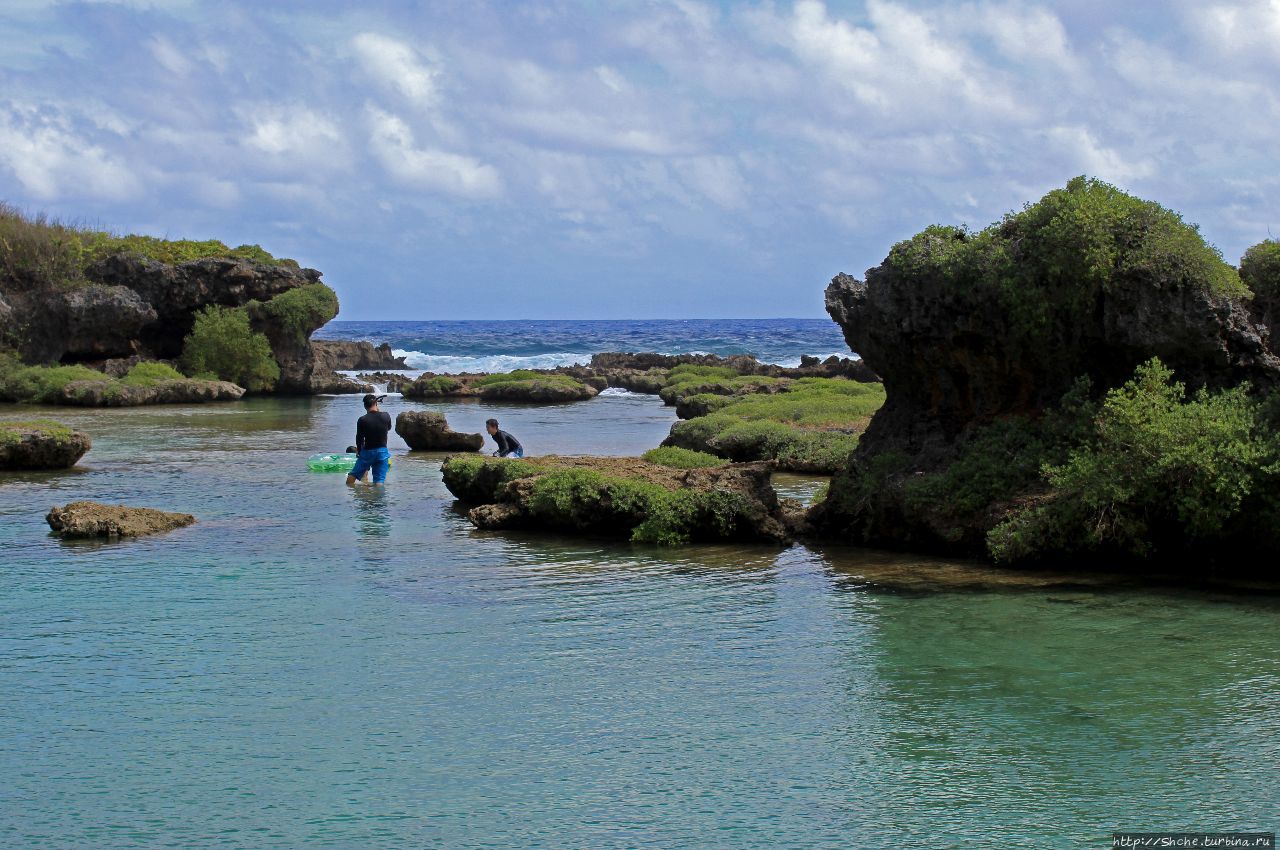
(426, 431)
(338, 355)
(969, 331)
(522, 386)
(177, 292)
(41, 444)
(88, 520)
(623, 366)
(128, 307)
(393, 382)
(622, 497)
(539, 391)
(114, 394)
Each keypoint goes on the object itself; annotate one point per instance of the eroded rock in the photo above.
(41, 444)
(97, 520)
(427, 431)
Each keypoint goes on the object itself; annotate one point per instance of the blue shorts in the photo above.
(376, 459)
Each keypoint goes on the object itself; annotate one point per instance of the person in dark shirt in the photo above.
(507, 444)
(371, 443)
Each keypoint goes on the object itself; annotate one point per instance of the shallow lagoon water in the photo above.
(315, 666)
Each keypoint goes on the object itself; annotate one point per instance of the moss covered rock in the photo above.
(995, 346)
(520, 385)
(40, 444)
(621, 497)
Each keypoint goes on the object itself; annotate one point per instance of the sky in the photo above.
(640, 159)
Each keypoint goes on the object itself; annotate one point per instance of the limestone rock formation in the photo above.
(971, 331)
(40, 444)
(106, 394)
(96, 520)
(427, 431)
(127, 307)
(338, 355)
(622, 497)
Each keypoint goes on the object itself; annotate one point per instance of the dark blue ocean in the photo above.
(485, 346)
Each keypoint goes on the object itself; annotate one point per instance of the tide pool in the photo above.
(316, 666)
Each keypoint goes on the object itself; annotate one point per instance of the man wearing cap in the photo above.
(371, 443)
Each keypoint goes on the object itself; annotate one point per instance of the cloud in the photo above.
(303, 136)
(391, 141)
(51, 161)
(397, 65)
(715, 142)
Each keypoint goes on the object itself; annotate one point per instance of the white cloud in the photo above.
(392, 142)
(301, 135)
(397, 65)
(51, 161)
(169, 56)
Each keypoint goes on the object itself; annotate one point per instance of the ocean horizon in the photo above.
(500, 345)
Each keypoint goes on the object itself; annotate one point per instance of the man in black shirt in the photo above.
(507, 444)
(371, 443)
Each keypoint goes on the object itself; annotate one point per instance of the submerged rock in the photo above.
(94, 519)
(622, 497)
(40, 444)
(426, 431)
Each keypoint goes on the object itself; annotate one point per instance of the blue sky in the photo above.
(598, 159)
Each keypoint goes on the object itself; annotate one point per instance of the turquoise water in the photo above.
(315, 666)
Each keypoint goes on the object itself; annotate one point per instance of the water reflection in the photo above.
(373, 520)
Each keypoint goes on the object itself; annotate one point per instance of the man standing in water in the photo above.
(371, 443)
(507, 444)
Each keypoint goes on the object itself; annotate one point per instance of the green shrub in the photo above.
(222, 343)
(678, 458)
(38, 251)
(1158, 466)
(149, 372)
(1055, 256)
(44, 384)
(523, 375)
(1260, 268)
(477, 480)
(297, 312)
(440, 385)
(812, 426)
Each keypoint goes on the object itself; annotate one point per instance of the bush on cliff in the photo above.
(1260, 268)
(1056, 255)
(297, 312)
(39, 251)
(223, 345)
(1161, 470)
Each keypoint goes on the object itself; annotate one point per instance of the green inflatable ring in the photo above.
(331, 463)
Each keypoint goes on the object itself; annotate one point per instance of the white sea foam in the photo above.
(617, 391)
(454, 364)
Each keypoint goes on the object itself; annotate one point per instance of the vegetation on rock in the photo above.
(38, 251)
(224, 346)
(40, 444)
(628, 497)
(678, 458)
(811, 426)
(296, 312)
